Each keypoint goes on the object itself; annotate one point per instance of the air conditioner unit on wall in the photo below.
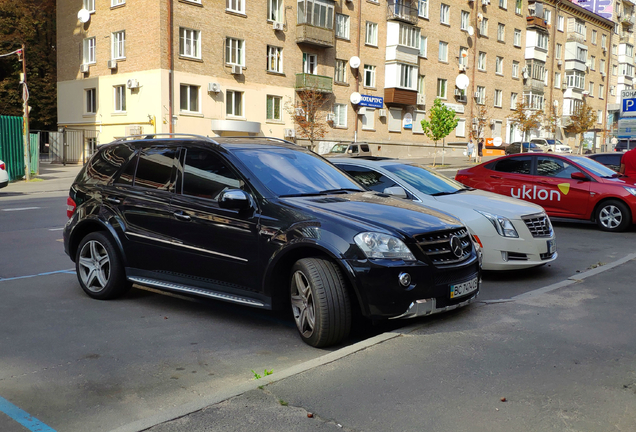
(132, 83)
(134, 130)
(421, 99)
(559, 62)
(277, 25)
(462, 68)
(362, 111)
(84, 68)
(290, 133)
(331, 117)
(237, 70)
(112, 64)
(382, 113)
(214, 87)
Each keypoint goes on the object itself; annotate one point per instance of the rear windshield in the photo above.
(105, 164)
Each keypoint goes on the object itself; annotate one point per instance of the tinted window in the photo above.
(368, 177)
(426, 181)
(516, 165)
(105, 164)
(353, 149)
(128, 173)
(287, 171)
(593, 166)
(154, 169)
(364, 147)
(205, 175)
(553, 167)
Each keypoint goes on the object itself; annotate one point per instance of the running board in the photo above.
(171, 286)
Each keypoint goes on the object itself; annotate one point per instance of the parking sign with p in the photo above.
(628, 103)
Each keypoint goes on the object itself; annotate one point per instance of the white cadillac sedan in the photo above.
(512, 233)
(4, 175)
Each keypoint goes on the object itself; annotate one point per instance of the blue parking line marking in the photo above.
(22, 417)
(69, 271)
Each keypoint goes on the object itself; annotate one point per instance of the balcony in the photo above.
(398, 96)
(305, 81)
(535, 21)
(627, 20)
(626, 37)
(575, 37)
(534, 86)
(312, 35)
(402, 11)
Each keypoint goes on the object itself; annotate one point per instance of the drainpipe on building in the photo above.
(607, 86)
(170, 65)
(551, 80)
(355, 132)
(471, 97)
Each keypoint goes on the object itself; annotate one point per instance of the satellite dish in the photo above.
(83, 15)
(497, 141)
(355, 98)
(470, 30)
(354, 62)
(462, 81)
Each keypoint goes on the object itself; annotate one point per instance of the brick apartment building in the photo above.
(232, 67)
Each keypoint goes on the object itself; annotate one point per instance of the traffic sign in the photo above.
(628, 103)
(627, 128)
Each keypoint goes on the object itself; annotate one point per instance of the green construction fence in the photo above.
(12, 147)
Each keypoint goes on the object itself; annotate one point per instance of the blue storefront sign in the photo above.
(371, 101)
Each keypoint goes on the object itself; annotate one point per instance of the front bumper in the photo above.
(426, 307)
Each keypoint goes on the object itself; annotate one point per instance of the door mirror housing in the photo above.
(396, 191)
(235, 199)
(579, 176)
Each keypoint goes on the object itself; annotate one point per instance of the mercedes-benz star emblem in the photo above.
(456, 246)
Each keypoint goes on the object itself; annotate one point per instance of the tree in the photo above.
(442, 122)
(482, 118)
(551, 122)
(581, 121)
(29, 22)
(526, 117)
(307, 116)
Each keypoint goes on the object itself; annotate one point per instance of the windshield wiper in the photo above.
(325, 192)
(444, 193)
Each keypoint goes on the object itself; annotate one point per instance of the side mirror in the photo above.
(234, 199)
(578, 175)
(396, 191)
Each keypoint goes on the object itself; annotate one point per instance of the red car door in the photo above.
(508, 175)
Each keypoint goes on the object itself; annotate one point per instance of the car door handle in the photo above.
(182, 216)
(495, 177)
(113, 200)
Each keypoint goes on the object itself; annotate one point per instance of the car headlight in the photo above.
(631, 190)
(383, 246)
(502, 225)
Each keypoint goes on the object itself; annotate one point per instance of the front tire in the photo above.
(99, 269)
(613, 215)
(320, 302)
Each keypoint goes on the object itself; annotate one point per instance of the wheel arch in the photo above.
(88, 226)
(612, 198)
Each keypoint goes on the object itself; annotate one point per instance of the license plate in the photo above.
(463, 288)
(552, 246)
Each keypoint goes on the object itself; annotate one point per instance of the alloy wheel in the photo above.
(302, 302)
(611, 217)
(94, 266)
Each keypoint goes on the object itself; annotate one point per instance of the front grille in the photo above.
(545, 256)
(455, 275)
(539, 225)
(437, 246)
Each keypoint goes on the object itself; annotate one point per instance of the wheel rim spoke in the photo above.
(303, 304)
(94, 266)
(611, 217)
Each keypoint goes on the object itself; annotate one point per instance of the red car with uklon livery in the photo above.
(566, 186)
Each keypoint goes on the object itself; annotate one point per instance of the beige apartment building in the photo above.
(234, 67)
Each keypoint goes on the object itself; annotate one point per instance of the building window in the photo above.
(515, 69)
(575, 79)
(318, 13)
(602, 65)
(518, 6)
(421, 85)
(423, 46)
(547, 16)
(91, 100)
(593, 62)
(594, 36)
(235, 6)
(463, 56)
(369, 76)
(517, 38)
(444, 14)
(581, 54)
(423, 8)
(234, 51)
(310, 64)
(443, 52)
(483, 28)
(481, 95)
(579, 27)
(560, 23)
(460, 130)
(499, 65)
(118, 45)
(614, 69)
(503, 4)
(234, 104)
(340, 71)
(371, 34)
(342, 26)
(498, 98)
(481, 61)
(513, 100)
(441, 88)
(189, 98)
(89, 51)
(603, 41)
(89, 5)
(614, 49)
(117, 2)
(463, 22)
(368, 119)
(542, 40)
(533, 101)
(627, 69)
(409, 36)
(501, 32)
(119, 98)
(274, 59)
(274, 104)
(275, 10)
(190, 43)
(557, 80)
(340, 114)
(599, 116)
(559, 50)
(408, 75)
(590, 89)
(629, 50)
(601, 91)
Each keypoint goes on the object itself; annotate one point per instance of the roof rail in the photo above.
(266, 137)
(167, 135)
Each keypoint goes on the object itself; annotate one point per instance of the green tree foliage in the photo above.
(29, 22)
(582, 120)
(526, 118)
(441, 122)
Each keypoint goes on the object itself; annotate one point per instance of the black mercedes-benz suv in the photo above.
(263, 223)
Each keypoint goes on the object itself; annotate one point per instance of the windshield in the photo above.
(424, 180)
(291, 172)
(339, 148)
(594, 167)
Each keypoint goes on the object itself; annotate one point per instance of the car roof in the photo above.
(372, 161)
(222, 142)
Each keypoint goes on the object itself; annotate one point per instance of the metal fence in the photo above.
(70, 146)
(12, 147)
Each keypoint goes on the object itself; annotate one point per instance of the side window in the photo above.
(205, 175)
(364, 147)
(368, 178)
(552, 167)
(515, 165)
(353, 149)
(154, 168)
(105, 164)
(128, 173)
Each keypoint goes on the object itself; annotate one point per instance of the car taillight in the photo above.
(2, 166)
(70, 207)
(462, 178)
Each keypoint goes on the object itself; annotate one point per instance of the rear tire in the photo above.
(613, 215)
(320, 302)
(99, 269)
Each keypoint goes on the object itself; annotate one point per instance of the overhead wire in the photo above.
(11, 53)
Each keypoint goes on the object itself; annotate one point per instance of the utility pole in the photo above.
(25, 125)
